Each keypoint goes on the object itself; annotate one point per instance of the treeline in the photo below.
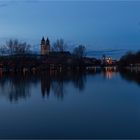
(130, 59)
(15, 52)
(14, 46)
(17, 55)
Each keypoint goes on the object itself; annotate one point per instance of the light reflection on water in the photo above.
(88, 104)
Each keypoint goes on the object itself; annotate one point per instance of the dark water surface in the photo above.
(70, 105)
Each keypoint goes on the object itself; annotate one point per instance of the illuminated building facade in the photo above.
(106, 60)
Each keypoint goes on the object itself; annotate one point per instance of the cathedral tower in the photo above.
(48, 45)
(45, 46)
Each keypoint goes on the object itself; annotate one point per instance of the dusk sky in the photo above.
(96, 24)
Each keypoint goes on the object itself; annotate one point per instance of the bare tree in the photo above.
(3, 50)
(80, 51)
(15, 47)
(59, 45)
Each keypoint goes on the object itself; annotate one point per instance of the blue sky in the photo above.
(97, 24)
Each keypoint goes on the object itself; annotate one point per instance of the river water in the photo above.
(101, 104)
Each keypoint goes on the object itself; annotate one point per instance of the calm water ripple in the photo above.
(101, 104)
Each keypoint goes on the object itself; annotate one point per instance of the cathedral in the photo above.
(45, 46)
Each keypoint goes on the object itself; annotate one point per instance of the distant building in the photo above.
(106, 60)
(45, 46)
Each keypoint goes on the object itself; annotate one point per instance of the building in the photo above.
(106, 60)
(45, 46)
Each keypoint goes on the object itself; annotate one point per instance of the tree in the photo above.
(128, 59)
(15, 47)
(59, 45)
(3, 50)
(79, 51)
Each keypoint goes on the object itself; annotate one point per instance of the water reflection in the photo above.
(45, 84)
(109, 72)
(131, 76)
(15, 87)
(18, 86)
(57, 82)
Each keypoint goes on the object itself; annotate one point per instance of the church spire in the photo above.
(45, 46)
(47, 41)
(43, 40)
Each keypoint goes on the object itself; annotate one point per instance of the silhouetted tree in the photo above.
(80, 51)
(130, 58)
(59, 45)
(15, 47)
(3, 50)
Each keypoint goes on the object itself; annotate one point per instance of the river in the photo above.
(101, 104)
